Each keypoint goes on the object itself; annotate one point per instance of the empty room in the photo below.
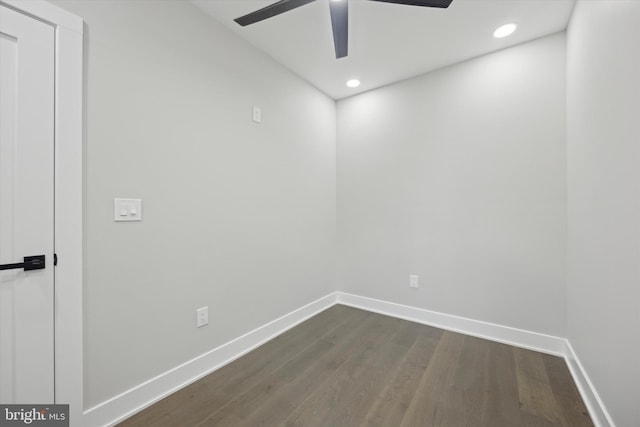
(326, 213)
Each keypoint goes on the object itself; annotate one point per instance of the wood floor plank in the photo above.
(572, 411)
(534, 389)
(470, 380)
(257, 405)
(348, 367)
(430, 404)
(285, 401)
(328, 399)
(199, 400)
(501, 403)
(390, 407)
(355, 393)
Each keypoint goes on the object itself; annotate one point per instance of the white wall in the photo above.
(237, 216)
(604, 200)
(458, 176)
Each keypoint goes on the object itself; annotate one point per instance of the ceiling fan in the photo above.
(339, 10)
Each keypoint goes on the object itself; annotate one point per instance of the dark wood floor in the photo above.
(348, 367)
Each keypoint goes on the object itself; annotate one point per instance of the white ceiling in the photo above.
(387, 42)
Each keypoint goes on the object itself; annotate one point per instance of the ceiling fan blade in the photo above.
(339, 10)
(272, 10)
(426, 3)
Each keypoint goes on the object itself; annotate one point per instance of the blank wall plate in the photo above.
(127, 210)
(202, 316)
(413, 281)
(257, 114)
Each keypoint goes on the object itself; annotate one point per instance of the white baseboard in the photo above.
(134, 400)
(599, 414)
(477, 328)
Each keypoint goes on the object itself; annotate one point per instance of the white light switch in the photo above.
(127, 210)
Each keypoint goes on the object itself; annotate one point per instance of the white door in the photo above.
(26, 208)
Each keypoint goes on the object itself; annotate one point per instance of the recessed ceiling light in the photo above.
(353, 83)
(504, 31)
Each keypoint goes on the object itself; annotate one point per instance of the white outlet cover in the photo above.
(127, 210)
(413, 281)
(202, 316)
(257, 115)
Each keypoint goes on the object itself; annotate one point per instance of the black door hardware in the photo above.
(30, 263)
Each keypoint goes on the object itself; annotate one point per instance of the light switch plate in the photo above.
(127, 210)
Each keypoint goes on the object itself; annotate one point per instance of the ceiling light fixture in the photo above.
(353, 83)
(504, 31)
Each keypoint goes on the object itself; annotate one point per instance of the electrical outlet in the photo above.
(413, 281)
(202, 316)
(257, 115)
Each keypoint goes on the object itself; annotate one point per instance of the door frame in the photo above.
(68, 196)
